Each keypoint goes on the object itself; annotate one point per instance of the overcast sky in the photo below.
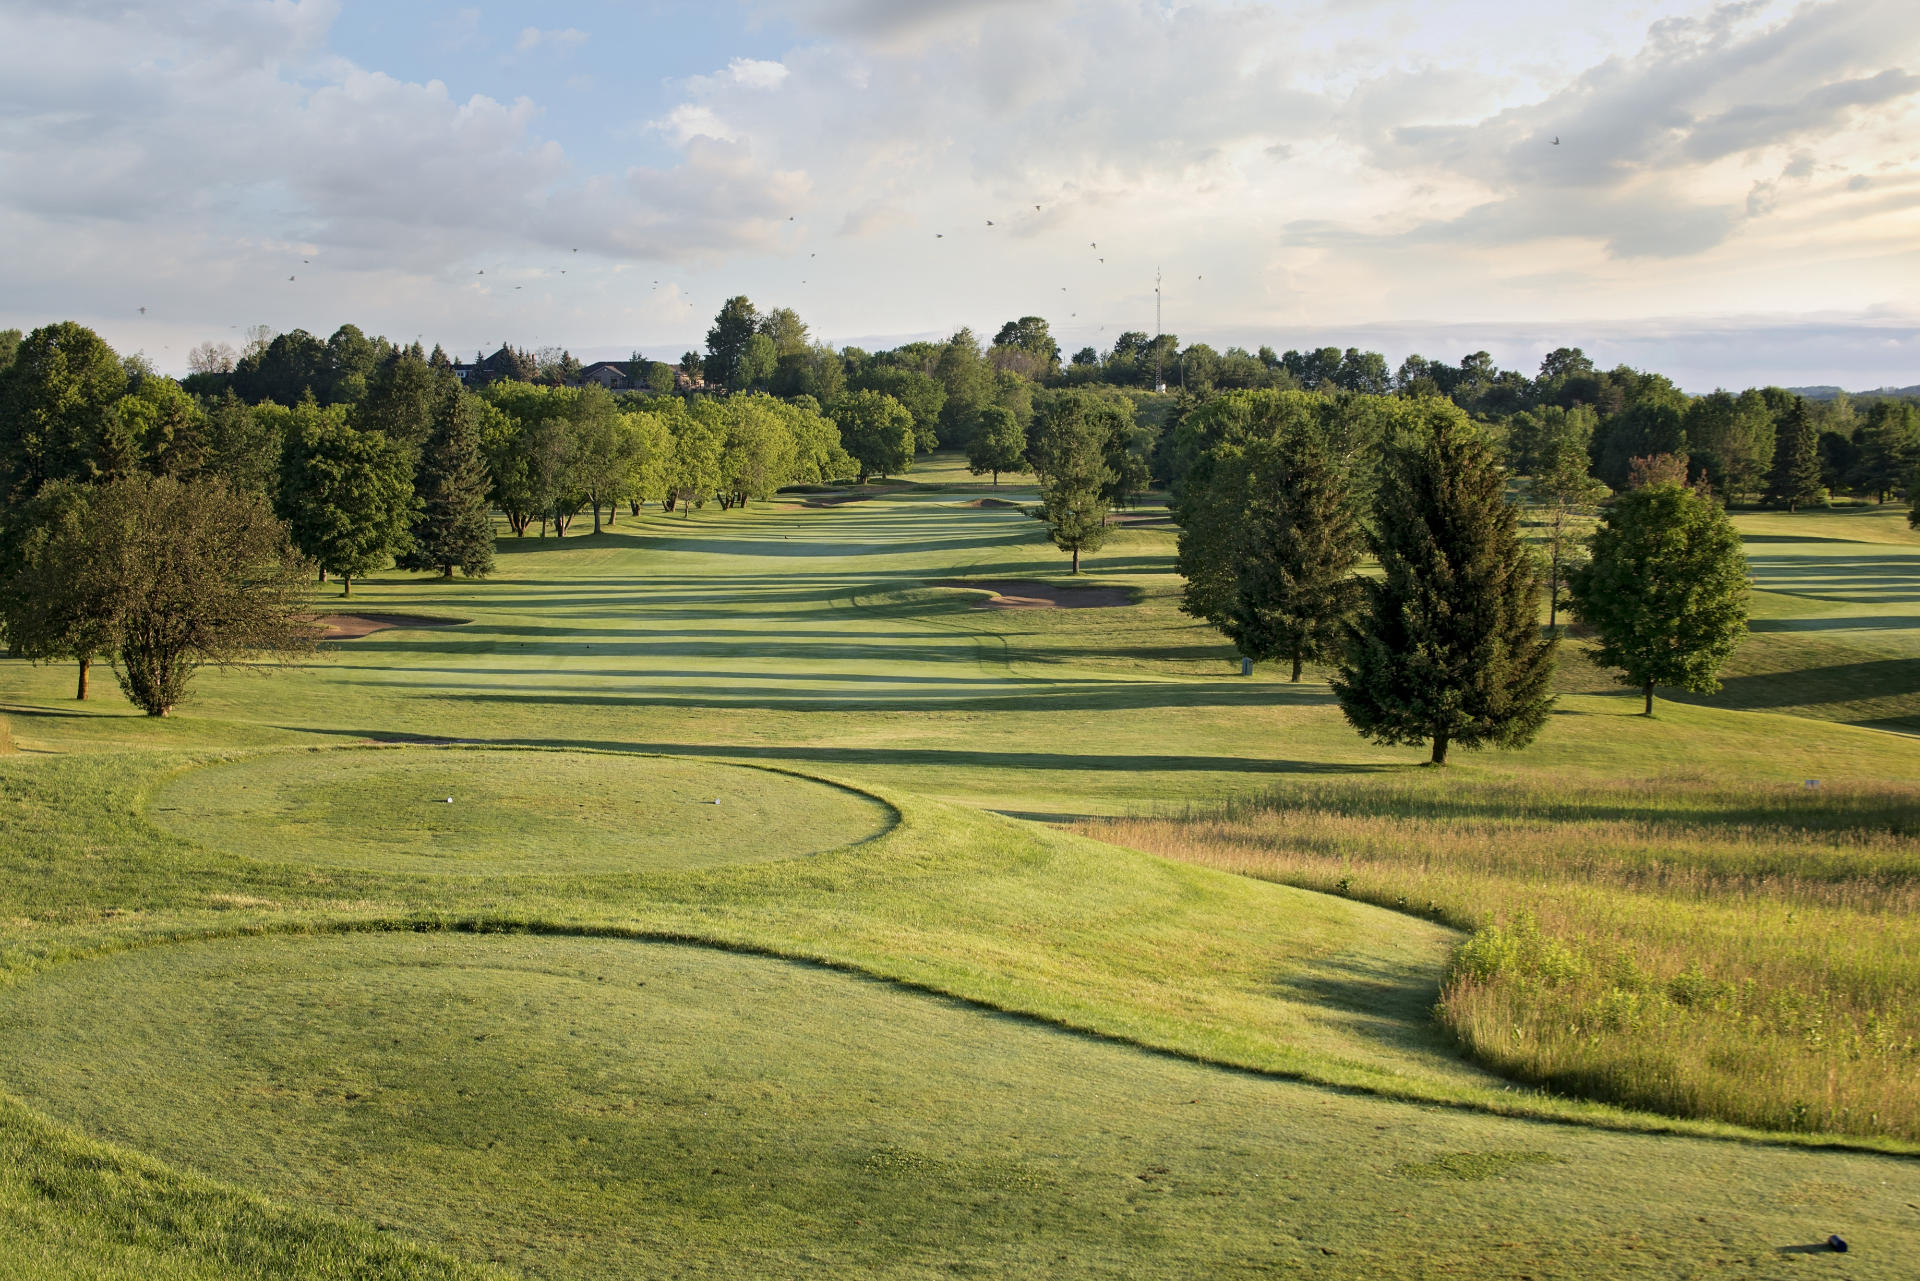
(1734, 196)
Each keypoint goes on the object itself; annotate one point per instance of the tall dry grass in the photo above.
(6, 738)
(1751, 955)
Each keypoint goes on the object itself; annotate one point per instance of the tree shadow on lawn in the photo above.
(1837, 623)
(1841, 683)
(946, 758)
(1045, 696)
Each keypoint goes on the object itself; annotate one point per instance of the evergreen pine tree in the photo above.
(454, 525)
(1294, 591)
(1666, 590)
(1448, 646)
(1795, 481)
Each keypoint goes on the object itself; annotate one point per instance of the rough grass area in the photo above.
(475, 812)
(1676, 945)
(593, 1108)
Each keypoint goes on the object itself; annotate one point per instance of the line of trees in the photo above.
(400, 465)
(1284, 494)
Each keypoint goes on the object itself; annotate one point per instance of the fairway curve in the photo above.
(585, 1107)
(499, 811)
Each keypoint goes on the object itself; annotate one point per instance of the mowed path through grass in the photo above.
(814, 639)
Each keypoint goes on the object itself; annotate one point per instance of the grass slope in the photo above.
(812, 638)
(613, 1109)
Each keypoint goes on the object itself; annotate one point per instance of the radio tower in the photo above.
(1159, 382)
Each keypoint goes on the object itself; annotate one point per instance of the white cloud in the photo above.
(1294, 164)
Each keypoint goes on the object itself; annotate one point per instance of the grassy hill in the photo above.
(274, 1005)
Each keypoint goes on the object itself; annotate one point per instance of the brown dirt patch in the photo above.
(991, 502)
(354, 626)
(1026, 593)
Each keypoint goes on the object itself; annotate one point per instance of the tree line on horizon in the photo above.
(368, 453)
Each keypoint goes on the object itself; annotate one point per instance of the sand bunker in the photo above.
(354, 626)
(991, 502)
(1025, 593)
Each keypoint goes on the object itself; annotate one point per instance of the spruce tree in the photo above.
(1666, 590)
(1294, 591)
(1795, 481)
(455, 521)
(1448, 647)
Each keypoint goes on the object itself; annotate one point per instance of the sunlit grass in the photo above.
(1676, 945)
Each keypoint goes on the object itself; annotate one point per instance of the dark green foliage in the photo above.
(877, 430)
(1448, 647)
(1889, 448)
(1029, 337)
(241, 446)
(168, 576)
(57, 602)
(1730, 441)
(1293, 591)
(455, 522)
(923, 397)
(1074, 431)
(57, 401)
(200, 575)
(966, 384)
(1666, 590)
(399, 399)
(1655, 424)
(1795, 480)
(1565, 490)
(733, 329)
(348, 495)
(999, 444)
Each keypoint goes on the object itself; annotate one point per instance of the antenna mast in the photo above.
(1159, 381)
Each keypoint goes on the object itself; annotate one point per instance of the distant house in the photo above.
(610, 374)
(503, 364)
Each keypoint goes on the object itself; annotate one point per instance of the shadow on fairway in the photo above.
(936, 757)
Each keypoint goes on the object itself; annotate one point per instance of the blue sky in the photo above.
(1734, 197)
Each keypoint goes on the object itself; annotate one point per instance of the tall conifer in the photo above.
(1795, 481)
(1294, 591)
(455, 522)
(1449, 647)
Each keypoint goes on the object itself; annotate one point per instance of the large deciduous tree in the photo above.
(733, 329)
(1448, 647)
(1070, 458)
(201, 574)
(58, 601)
(347, 494)
(877, 430)
(999, 444)
(1666, 590)
(57, 403)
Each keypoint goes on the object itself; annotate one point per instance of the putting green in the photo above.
(582, 1107)
(492, 812)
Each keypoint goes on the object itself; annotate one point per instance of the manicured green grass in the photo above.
(812, 639)
(578, 1107)
(478, 812)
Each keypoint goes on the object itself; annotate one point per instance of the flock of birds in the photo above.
(812, 256)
